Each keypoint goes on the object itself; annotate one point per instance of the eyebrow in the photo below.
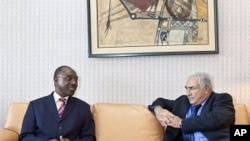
(191, 87)
(186, 87)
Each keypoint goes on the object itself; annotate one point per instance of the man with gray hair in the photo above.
(201, 114)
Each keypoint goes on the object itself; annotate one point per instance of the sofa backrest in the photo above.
(125, 122)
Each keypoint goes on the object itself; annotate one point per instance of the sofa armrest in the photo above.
(241, 114)
(8, 135)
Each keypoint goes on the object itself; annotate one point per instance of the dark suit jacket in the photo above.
(214, 121)
(41, 121)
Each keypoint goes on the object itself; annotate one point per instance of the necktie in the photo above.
(194, 110)
(62, 106)
(190, 136)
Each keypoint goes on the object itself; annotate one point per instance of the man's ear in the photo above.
(207, 89)
(55, 80)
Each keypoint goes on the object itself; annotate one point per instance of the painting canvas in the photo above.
(152, 27)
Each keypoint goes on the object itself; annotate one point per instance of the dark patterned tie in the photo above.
(190, 136)
(62, 106)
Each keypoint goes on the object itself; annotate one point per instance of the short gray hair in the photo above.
(204, 79)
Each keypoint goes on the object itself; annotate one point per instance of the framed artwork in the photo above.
(118, 28)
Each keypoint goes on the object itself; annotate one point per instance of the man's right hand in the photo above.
(161, 115)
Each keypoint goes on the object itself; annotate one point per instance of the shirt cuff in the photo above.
(151, 108)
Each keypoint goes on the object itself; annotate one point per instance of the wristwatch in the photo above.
(180, 123)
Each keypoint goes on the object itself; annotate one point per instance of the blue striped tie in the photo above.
(190, 136)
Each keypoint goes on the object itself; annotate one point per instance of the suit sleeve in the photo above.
(164, 103)
(29, 126)
(88, 130)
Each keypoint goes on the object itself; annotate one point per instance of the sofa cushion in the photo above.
(125, 122)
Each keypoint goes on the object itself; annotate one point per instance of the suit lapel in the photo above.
(50, 102)
(184, 107)
(208, 104)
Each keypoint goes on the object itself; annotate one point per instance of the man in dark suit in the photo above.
(210, 122)
(74, 122)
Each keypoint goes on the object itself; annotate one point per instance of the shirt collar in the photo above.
(57, 96)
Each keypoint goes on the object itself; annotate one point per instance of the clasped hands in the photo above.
(166, 118)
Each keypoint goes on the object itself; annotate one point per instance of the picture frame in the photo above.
(122, 28)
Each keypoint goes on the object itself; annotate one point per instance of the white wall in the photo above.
(36, 36)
